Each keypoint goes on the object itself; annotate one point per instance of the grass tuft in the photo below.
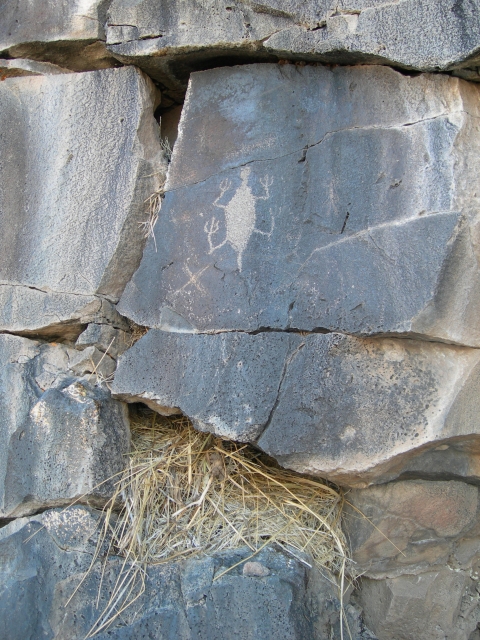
(185, 492)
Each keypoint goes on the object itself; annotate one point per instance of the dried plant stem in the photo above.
(186, 492)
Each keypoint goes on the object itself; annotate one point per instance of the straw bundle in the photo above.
(186, 492)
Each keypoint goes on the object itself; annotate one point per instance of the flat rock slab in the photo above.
(357, 411)
(413, 526)
(44, 559)
(172, 39)
(226, 383)
(62, 438)
(80, 153)
(19, 67)
(341, 199)
(68, 33)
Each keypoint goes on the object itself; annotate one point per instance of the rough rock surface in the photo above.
(104, 337)
(416, 544)
(181, 601)
(21, 67)
(60, 436)
(80, 153)
(364, 410)
(358, 216)
(412, 526)
(226, 383)
(66, 32)
(171, 39)
(441, 604)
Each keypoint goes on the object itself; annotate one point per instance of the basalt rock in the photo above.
(19, 67)
(106, 338)
(310, 198)
(169, 40)
(416, 545)
(80, 154)
(45, 591)
(67, 33)
(413, 526)
(62, 438)
(357, 411)
(437, 604)
(226, 383)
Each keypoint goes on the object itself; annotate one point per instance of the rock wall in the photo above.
(305, 264)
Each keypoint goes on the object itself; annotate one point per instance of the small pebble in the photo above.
(255, 569)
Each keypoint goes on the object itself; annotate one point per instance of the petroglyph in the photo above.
(193, 280)
(240, 216)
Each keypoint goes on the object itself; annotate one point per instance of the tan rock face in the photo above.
(411, 526)
(430, 606)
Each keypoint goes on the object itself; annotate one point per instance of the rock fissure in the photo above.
(288, 360)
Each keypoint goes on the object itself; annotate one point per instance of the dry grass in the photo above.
(154, 202)
(186, 492)
(152, 209)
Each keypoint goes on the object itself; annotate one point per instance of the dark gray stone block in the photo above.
(357, 216)
(357, 411)
(45, 558)
(226, 383)
(61, 436)
(363, 409)
(169, 40)
(71, 210)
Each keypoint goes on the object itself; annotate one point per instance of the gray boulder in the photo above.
(80, 154)
(44, 559)
(106, 338)
(360, 216)
(169, 40)
(62, 438)
(67, 33)
(365, 410)
(226, 383)
(357, 411)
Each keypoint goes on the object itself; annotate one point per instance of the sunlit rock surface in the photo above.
(80, 154)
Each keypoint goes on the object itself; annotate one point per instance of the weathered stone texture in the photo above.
(171, 39)
(66, 32)
(310, 198)
(19, 67)
(61, 436)
(357, 411)
(416, 544)
(80, 153)
(226, 383)
(412, 526)
(46, 556)
(106, 338)
(436, 605)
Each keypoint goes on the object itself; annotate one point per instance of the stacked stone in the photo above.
(311, 286)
